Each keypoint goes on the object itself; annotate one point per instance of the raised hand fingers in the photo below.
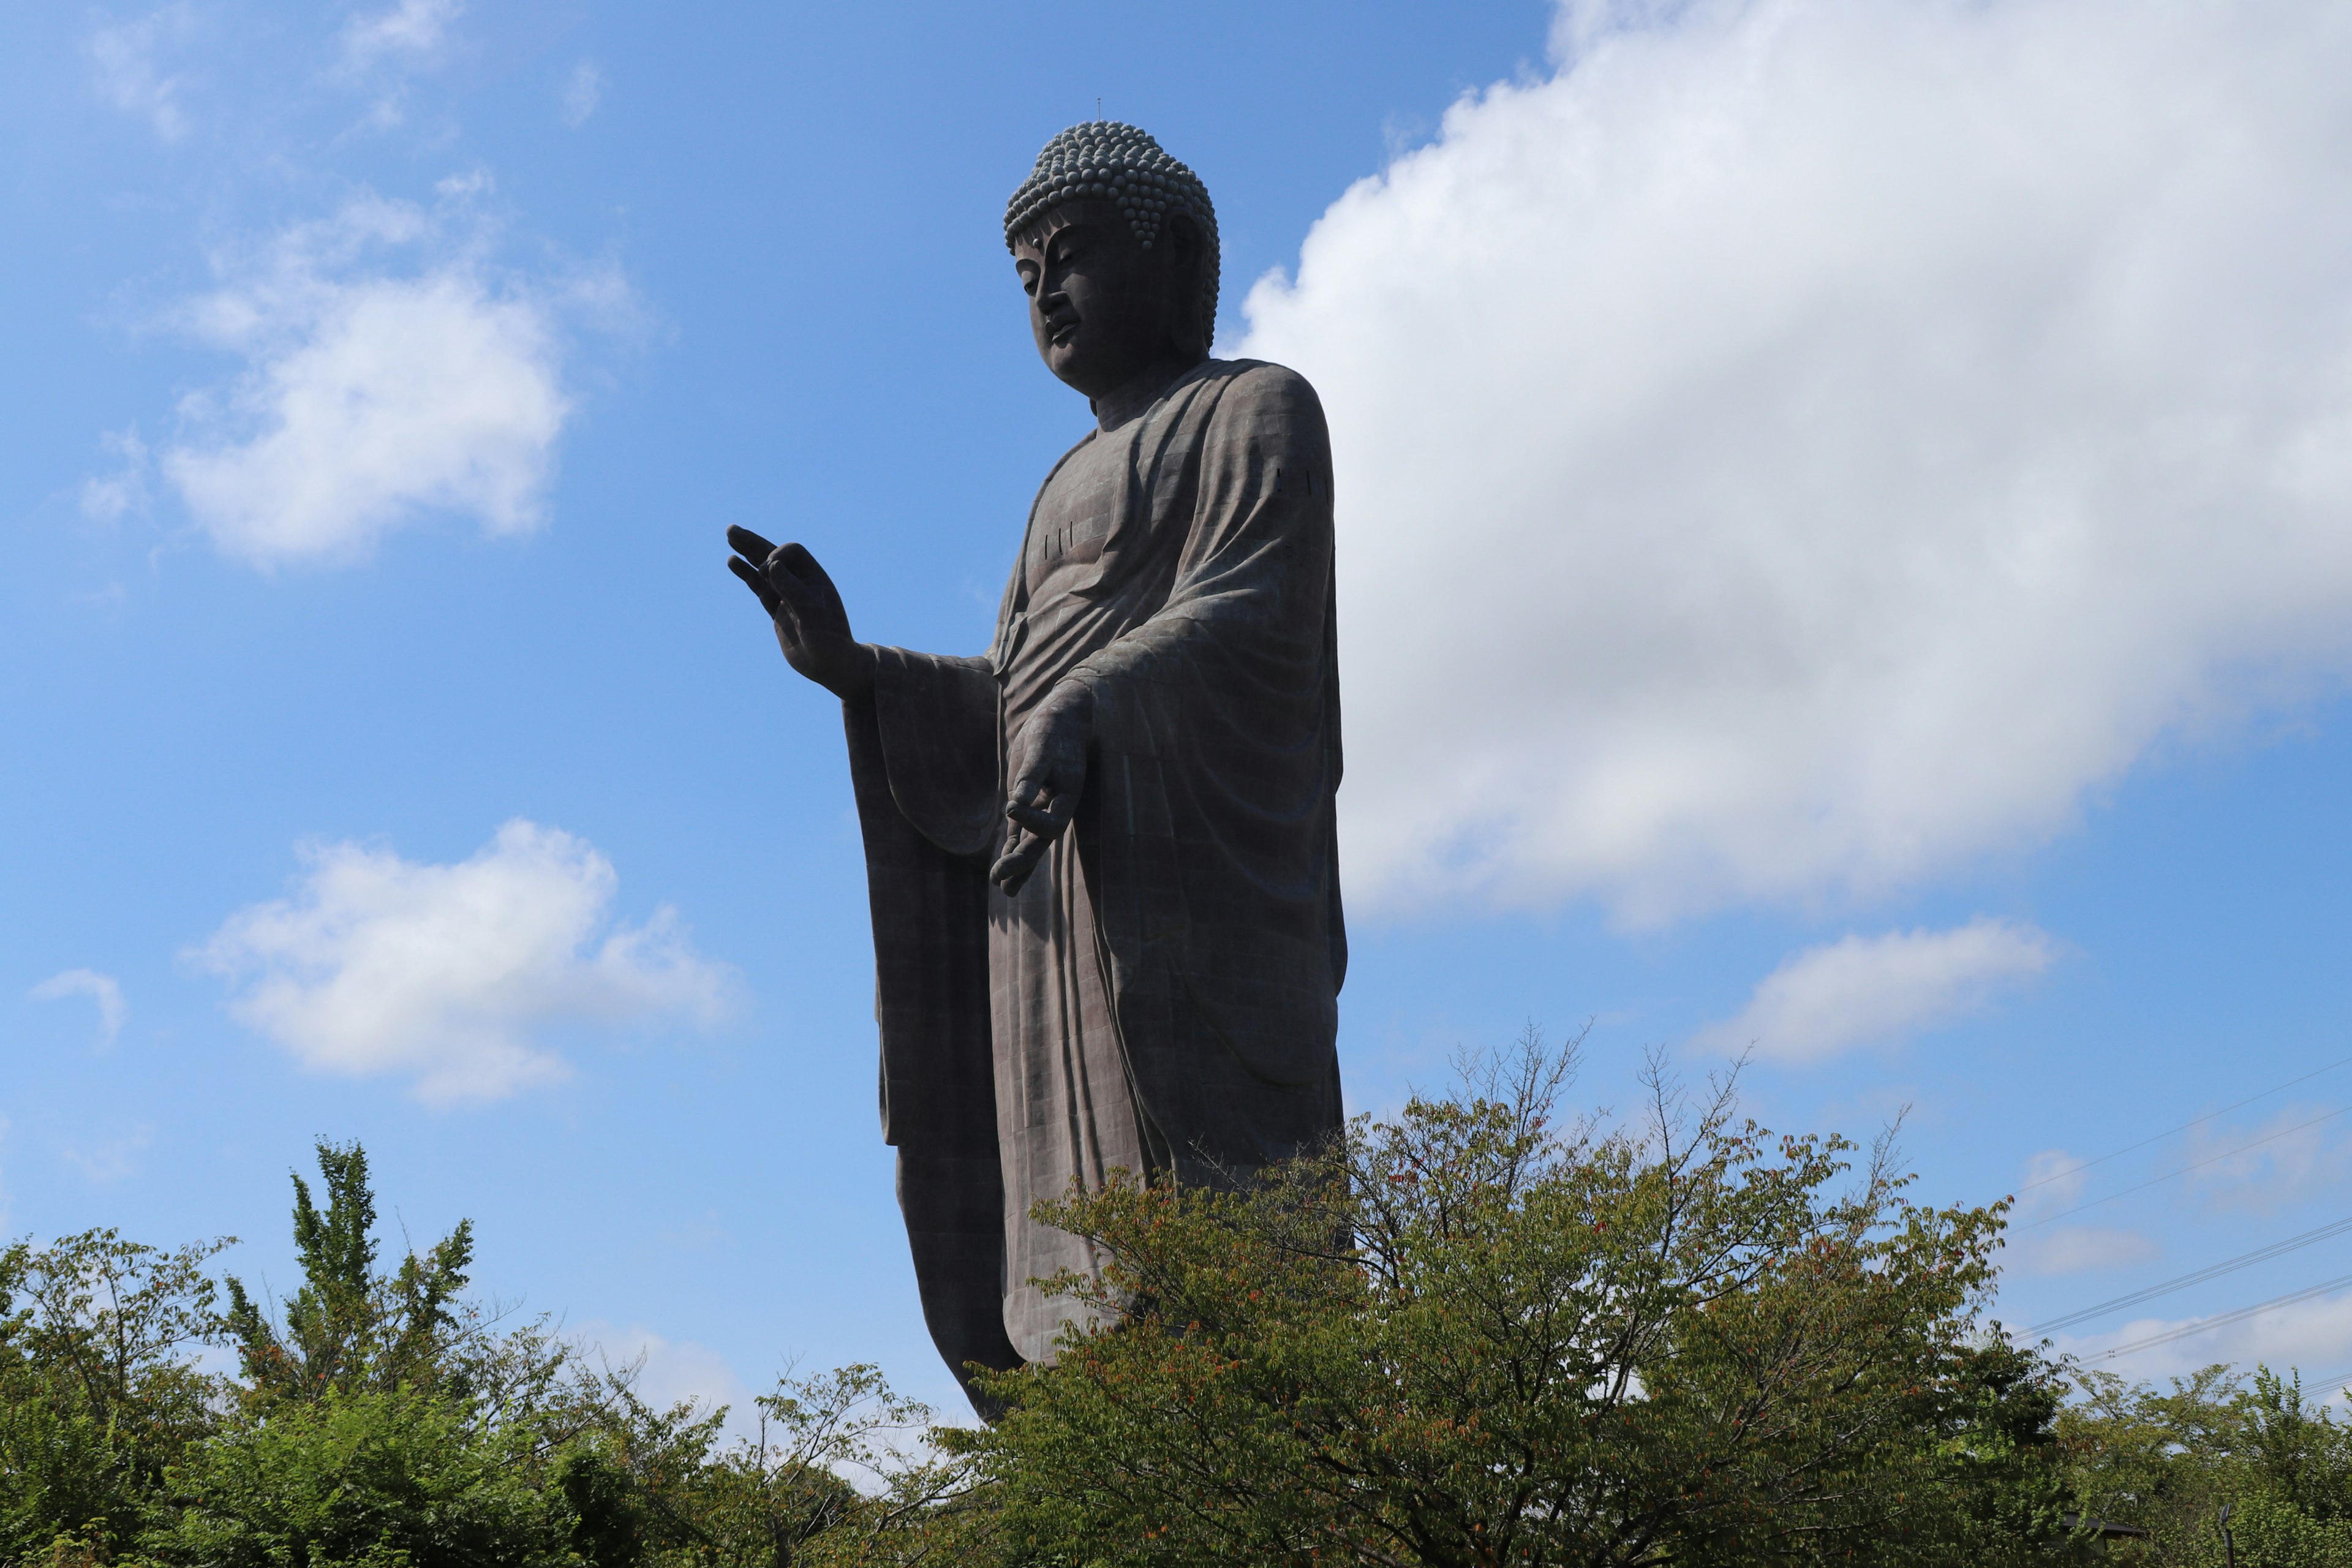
(750, 545)
(795, 561)
(753, 579)
(791, 589)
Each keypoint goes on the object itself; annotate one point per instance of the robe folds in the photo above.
(1161, 995)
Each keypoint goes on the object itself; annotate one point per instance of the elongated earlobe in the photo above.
(1193, 328)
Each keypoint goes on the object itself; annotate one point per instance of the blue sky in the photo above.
(1846, 549)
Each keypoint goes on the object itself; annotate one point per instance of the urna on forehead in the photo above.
(1105, 158)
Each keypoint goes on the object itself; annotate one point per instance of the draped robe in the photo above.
(1161, 995)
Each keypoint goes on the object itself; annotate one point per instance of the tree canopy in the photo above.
(1478, 1332)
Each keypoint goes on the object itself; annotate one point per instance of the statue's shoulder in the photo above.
(1258, 388)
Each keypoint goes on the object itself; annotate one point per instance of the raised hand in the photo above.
(1049, 769)
(812, 626)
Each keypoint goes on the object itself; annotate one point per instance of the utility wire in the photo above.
(2199, 1277)
(2326, 1387)
(2225, 1319)
(2070, 1170)
(2333, 1382)
(2184, 1170)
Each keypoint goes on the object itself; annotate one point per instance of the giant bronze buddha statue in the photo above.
(1101, 855)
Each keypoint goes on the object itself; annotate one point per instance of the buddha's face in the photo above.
(1103, 308)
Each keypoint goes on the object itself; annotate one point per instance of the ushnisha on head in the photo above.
(1116, 246)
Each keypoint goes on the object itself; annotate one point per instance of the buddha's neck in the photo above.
(1140, 390)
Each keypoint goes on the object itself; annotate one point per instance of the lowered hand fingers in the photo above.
(1035, 802)
(1046, 821)
(1022, 853)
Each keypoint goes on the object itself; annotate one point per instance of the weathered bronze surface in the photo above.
(1101, 855)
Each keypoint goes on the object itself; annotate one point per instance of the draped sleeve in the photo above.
(922, 757)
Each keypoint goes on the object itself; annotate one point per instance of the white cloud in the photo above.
(671, 1371)
(1877, 990)
(110, 1160)
(2313, 1336)
(2298, 1153)
(1802, 444)
(382, 50)
(413, 30)
(372, 398)
(108, 497)
(2053, 1179)
(583, 91)
(103, 989)
(2086, 1249)
(128, 75)
(449, 976)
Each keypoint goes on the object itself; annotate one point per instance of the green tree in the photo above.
(348, 1326)
(836, 1472)
(2167, 1461)
(97, 1394)
(2269, 1531)
(365, 1477)
(384, 1422)
(1475, 1335)
(385, 1419)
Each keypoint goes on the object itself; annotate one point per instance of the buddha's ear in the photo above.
(1187, 254)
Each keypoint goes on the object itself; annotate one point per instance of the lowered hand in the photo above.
(1049, 769)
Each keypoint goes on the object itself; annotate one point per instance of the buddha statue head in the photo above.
(1116, 244)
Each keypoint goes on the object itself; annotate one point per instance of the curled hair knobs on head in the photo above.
(1107, 160)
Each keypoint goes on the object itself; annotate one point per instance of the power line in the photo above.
(2184, 1170)
(2333, 1382)
(2330, 1385)
(2072, 1170)
(2225, 1319)
(2199, 1277)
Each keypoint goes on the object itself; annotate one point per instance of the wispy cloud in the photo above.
(382, 53)
(103, 989)
(2052, 1183)
(2299, 1151)
(1879, 989)
(670, 1371)
(450, 976)
(2314, 1336)
(110, 497)
(2053, 1179)
(2086, 1249)
(1796, 449)
(129, 76)
(583, 89)
(110, 1160)
(412, 31)
(373, 397)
